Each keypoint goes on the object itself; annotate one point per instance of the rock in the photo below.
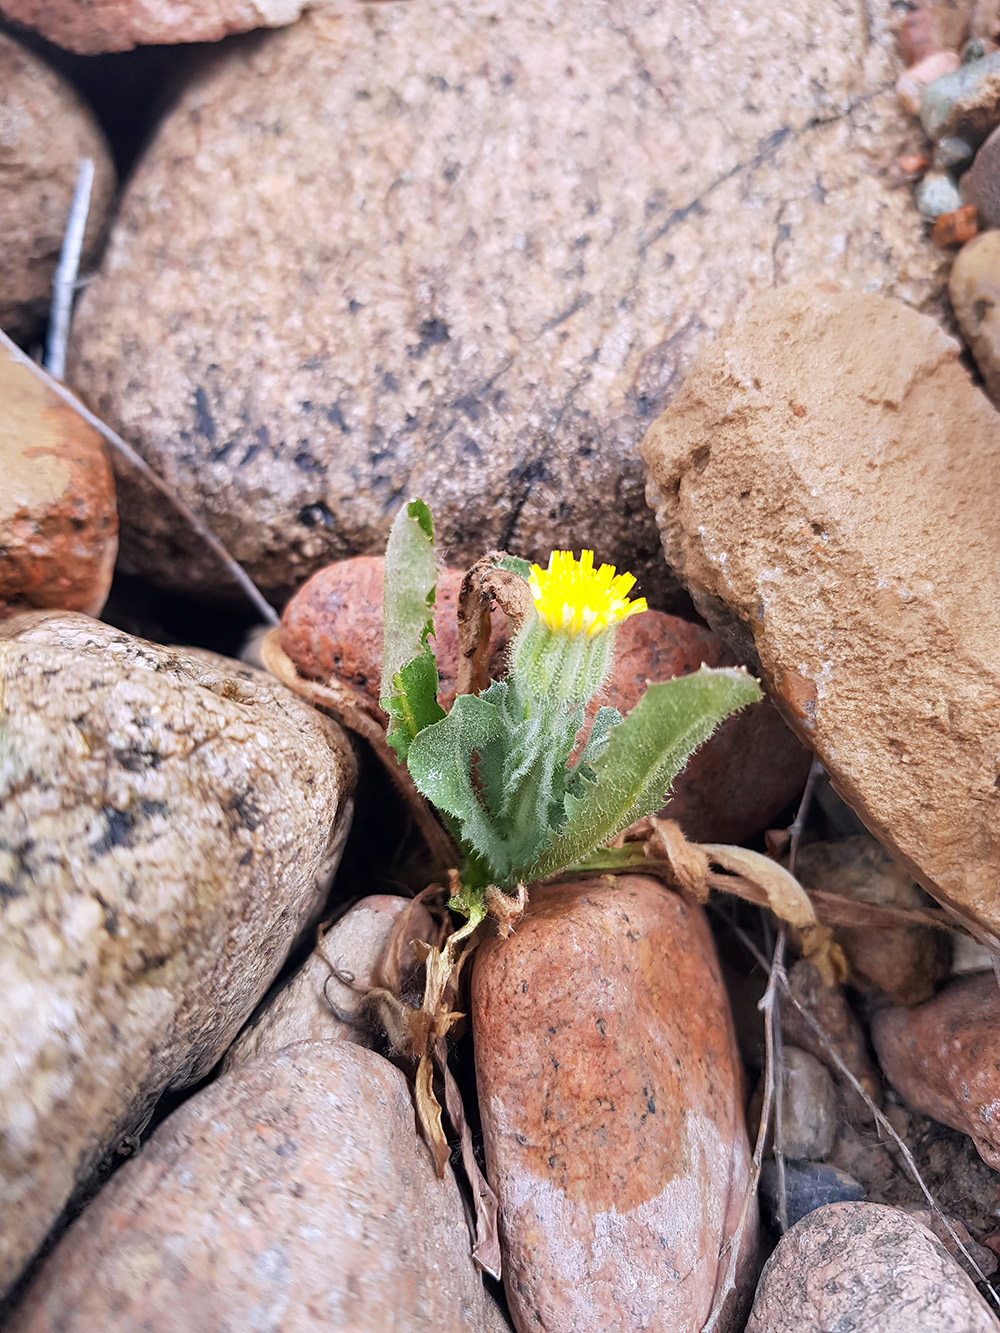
(864, 1266)
(975, 296)
(951, 153)
(965, 103)
(824, 484)
(808, 1185)
(984, 1257)
(733, 787)
(981, 183)
(838, 1022)
(905, 963)
(913, 83)
(609, 1090)
(919, 35)
(937, 193)
(955, 228)
(45, 129)
(485, 278)
(943, 1058)
(809, 1107)
(315, 1005)
(169, 823)
(332, 627)
(90, 27)
(291, 1194)
(58, 519)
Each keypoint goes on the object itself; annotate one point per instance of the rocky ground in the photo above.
(716, 300)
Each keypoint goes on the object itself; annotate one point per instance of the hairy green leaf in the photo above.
(409, 670)
(515, 565)
(441, 761)
(644, 754)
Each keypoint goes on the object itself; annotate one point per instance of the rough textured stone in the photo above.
(291, 1195)
(169, 823)
(981, 183)
(905, 963)
(44, 130)
(316, 1005)
(828, 1006)
(808, 1186)
(913, 83)
(809, 1107)
(975, 297)
(943, 1058)
(609, 1090)
(824, 483)
(965, 103)
(733, 787)
(58, 518)
(471, 257)
(864, 1266)
(92, 26)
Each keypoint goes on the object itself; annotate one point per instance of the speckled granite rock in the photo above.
(974, 287)
(864, 1266)
(92, 26)
(824, 483)
(609, 1090)
(169, 823)
(44, 129)
(58, 516)
(291, 1195)
(471, 257)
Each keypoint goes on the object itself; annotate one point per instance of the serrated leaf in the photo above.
(408, 590)
(441, 763)
(516, 565)
(413, 704)
(644, 754)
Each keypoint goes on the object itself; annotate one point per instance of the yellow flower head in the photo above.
(572, 595)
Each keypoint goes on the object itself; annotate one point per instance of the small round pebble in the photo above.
(809, 1106)
(937, 193)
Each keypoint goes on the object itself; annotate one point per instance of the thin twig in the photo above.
(139, 464)
(776, 1054)
(883, 1124)
(802, 814)
(64, 282)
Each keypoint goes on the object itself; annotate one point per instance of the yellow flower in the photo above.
(572, 595)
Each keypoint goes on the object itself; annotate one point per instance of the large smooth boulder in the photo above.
(169, 823)
(825, 484)
(434, 249)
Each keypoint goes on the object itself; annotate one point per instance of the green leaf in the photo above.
(409, 670)
(644, 754)
(413, 704)
(515, 565)
(441, 761)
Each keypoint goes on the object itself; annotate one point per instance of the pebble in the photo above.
(974, 287)
(943, 1058)
(952, 152)
(828, 1006)
(93, 28)
(981, 183)
(170, 822)
(865, 1266)
(903, 962)
(808, 1185)
(955, 228)
(45, 128)
(937, 193)
(965, 103)
(839, 435)
(316, 1005)
(611, 1102)
(492, 328)
(919, 35)
(58, 514)
(914, 81)
(290, 1195)
(809, 1107)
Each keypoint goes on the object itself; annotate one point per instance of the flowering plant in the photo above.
(528, 778)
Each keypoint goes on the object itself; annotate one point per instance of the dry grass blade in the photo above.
(64, 282)
(138, 464)
(486, 1250)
